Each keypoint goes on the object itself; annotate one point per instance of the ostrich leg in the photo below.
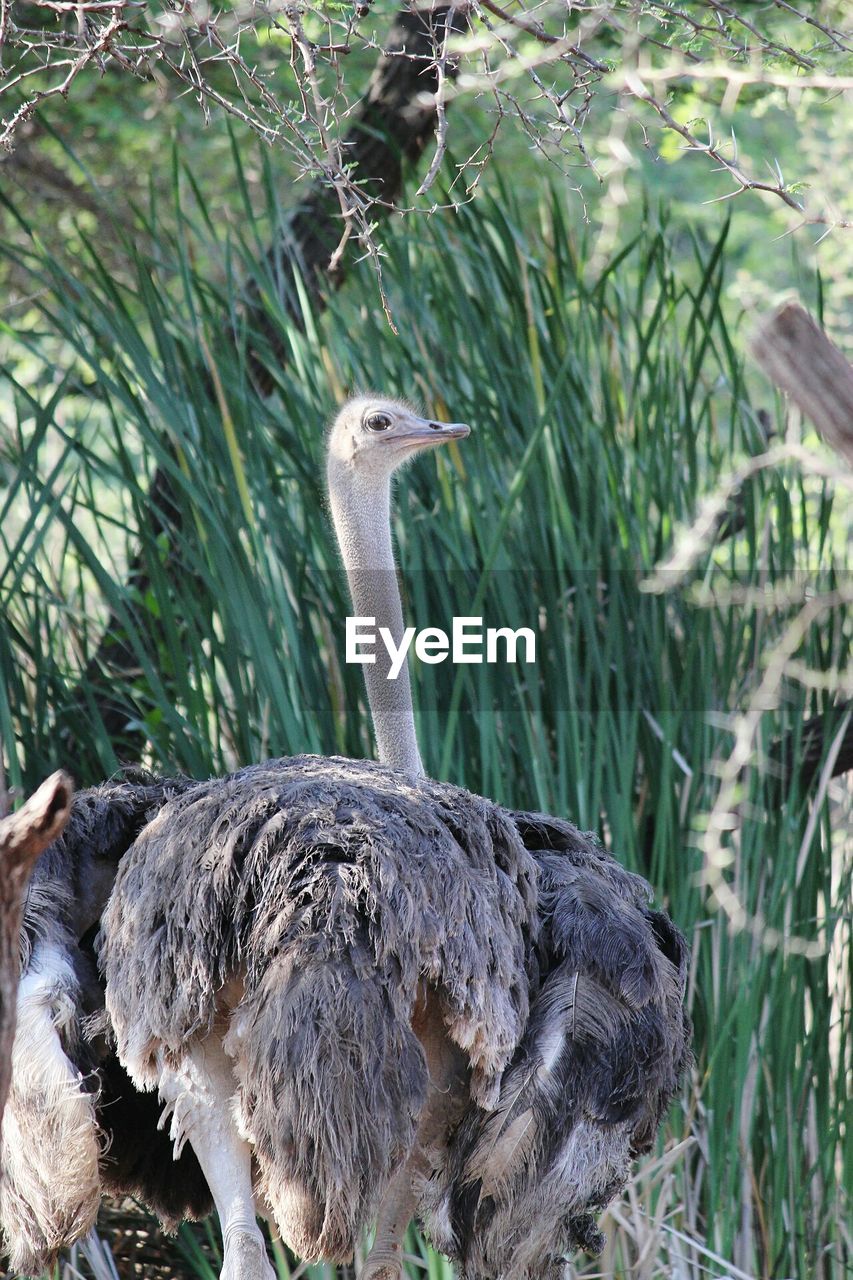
(198, 1094)
(385, 1260)
(446, 1099)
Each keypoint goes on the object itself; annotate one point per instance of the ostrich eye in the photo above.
(377, 421)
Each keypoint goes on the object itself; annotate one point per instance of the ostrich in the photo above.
(318, 971)
(314, 1021)
(607, 1039)
(321, 945)
(49, 1200)
(74, 1127)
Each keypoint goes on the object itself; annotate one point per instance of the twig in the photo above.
(533, 28)
(29, 107)
(743, 181)
(440, 106)
(835, 37)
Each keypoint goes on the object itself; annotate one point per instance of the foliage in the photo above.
(606, 404)
(588, 87)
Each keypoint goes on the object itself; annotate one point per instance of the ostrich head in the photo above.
(373, 436)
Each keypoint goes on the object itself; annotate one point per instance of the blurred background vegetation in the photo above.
(632, 488)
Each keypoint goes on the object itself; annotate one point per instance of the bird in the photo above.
(284, 945)
(290, 945)
(74, 1128)
(481, 879)
(283, 887)
(607, 1040)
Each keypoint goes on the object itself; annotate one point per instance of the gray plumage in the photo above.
(336, 887)
(72, 879)
(333, 890)
(312, 932)
(599, 1058)
(602, 1056)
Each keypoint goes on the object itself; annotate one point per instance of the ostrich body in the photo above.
(341, 957)
(339, 909)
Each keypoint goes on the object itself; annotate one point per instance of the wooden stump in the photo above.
(800, 359)
(23, 836)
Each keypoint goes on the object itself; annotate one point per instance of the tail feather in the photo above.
(332, 1079)
(602, 1055)
(603, 934)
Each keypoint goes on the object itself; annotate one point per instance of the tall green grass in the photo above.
(605, 408)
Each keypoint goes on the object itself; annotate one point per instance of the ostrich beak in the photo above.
(422, 433)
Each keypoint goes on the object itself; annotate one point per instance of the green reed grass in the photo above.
(605, 407)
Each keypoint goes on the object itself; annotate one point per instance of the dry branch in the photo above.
(799, 358)
(23, 836)
(540, 61)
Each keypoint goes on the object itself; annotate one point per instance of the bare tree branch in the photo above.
(581, 48)
(389, 129)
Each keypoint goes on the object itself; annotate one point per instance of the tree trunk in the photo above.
(390, 128)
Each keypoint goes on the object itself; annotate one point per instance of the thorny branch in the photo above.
(60, 88)
(440, 105)
(281, 67)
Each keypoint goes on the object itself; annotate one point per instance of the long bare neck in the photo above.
(361, 510)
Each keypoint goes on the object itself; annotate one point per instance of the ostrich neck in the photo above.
(361, 510)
